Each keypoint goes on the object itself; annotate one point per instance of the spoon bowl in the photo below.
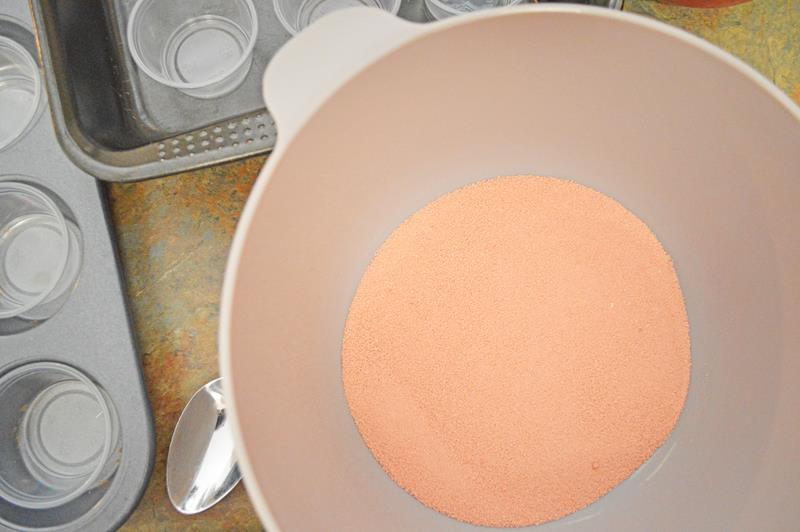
(201, 464)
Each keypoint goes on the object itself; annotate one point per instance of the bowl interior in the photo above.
(704, 154)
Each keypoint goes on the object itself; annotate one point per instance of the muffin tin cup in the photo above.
(39, 251)
(58, 434)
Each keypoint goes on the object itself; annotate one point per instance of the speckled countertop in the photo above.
(174, 234)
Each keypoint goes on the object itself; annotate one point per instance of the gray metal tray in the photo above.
(118, 124)
(92, 332)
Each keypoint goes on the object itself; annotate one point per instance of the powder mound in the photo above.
(516, 349)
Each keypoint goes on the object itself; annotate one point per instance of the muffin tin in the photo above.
(76, 432)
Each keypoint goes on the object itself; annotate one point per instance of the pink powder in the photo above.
(516, 349)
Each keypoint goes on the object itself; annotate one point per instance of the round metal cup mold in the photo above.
(200, 48)
(295, 15)
(60, 439)
(21, 88)
(40, 253)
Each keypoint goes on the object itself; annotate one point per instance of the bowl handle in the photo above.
(320, 59)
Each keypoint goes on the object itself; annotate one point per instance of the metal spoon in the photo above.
(201, 464)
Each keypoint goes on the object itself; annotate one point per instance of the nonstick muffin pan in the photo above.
(76, 432)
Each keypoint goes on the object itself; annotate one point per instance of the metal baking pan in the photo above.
(119, 125)
(91, 333)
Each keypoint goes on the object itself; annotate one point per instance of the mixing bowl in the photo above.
(377, 117)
